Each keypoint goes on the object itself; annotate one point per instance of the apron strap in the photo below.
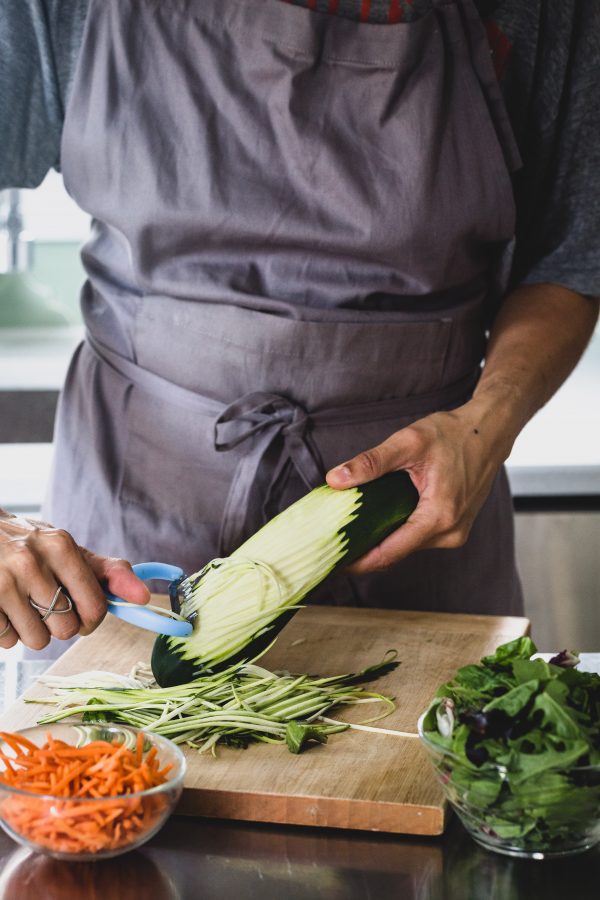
(279, 429)
(484, 68)
(271, 419)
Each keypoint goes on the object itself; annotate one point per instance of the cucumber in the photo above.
(239, 604)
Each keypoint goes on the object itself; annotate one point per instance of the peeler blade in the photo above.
(147, 618)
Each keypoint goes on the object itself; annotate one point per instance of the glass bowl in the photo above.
(90, 828)
(552, 814)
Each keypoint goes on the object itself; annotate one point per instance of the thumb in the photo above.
(370, 464)
(118, 577)
(412, 535)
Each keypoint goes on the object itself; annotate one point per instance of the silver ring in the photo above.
(48, 610)
(7, 628)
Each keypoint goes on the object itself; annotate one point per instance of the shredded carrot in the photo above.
(101, 769)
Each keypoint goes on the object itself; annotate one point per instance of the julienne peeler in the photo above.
(145, 617)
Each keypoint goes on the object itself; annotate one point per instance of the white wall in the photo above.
(51, 215)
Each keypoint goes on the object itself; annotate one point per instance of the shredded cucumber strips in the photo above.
(268, 575)
(241, 704)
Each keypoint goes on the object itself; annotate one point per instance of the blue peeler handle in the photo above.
(146, 618)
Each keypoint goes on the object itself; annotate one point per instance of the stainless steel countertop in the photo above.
(193, 858)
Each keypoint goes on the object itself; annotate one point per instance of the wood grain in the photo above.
(358, 780)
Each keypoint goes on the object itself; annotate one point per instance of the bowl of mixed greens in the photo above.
(515, 742)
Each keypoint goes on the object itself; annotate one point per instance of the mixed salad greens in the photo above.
(519, 740)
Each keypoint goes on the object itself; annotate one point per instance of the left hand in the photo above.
(452, 459)
(35, 560)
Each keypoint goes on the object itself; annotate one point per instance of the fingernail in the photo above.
(343, 473)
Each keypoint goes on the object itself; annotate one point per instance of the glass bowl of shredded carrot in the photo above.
(87, 791)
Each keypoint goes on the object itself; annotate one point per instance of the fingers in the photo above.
(118, 576)
(393, 454)
(33, 578)
(69, 567)
(8, 635)
(400, 451)
(442, 519)
(424, 530)
(56, 614)
(25, 623)
(35, 559)
(452, 473)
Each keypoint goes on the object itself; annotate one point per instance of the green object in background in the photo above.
(30, 289)
(57, 264)
(24, 301)
(49, 293)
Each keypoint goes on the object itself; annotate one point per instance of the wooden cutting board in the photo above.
(358, 780)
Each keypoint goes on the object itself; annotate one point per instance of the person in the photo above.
(311, 223)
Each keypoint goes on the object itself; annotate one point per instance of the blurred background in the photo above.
(554, 468)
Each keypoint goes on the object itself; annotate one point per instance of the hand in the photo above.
(452, 459)
(35, 559)
(540, 332)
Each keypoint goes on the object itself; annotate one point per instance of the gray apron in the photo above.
(301, 226)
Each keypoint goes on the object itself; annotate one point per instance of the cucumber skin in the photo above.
(387, 502)
(170, 669)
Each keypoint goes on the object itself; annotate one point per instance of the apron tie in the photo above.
(281, 431)
(280, 428)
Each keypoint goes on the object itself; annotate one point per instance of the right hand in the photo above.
(35, 559)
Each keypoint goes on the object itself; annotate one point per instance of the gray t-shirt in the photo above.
(547, 56)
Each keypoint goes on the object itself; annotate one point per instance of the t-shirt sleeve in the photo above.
(39, 43)
(30, 107)
(558, 191)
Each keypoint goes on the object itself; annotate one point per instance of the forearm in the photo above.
(537, 339)
(453, 457)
